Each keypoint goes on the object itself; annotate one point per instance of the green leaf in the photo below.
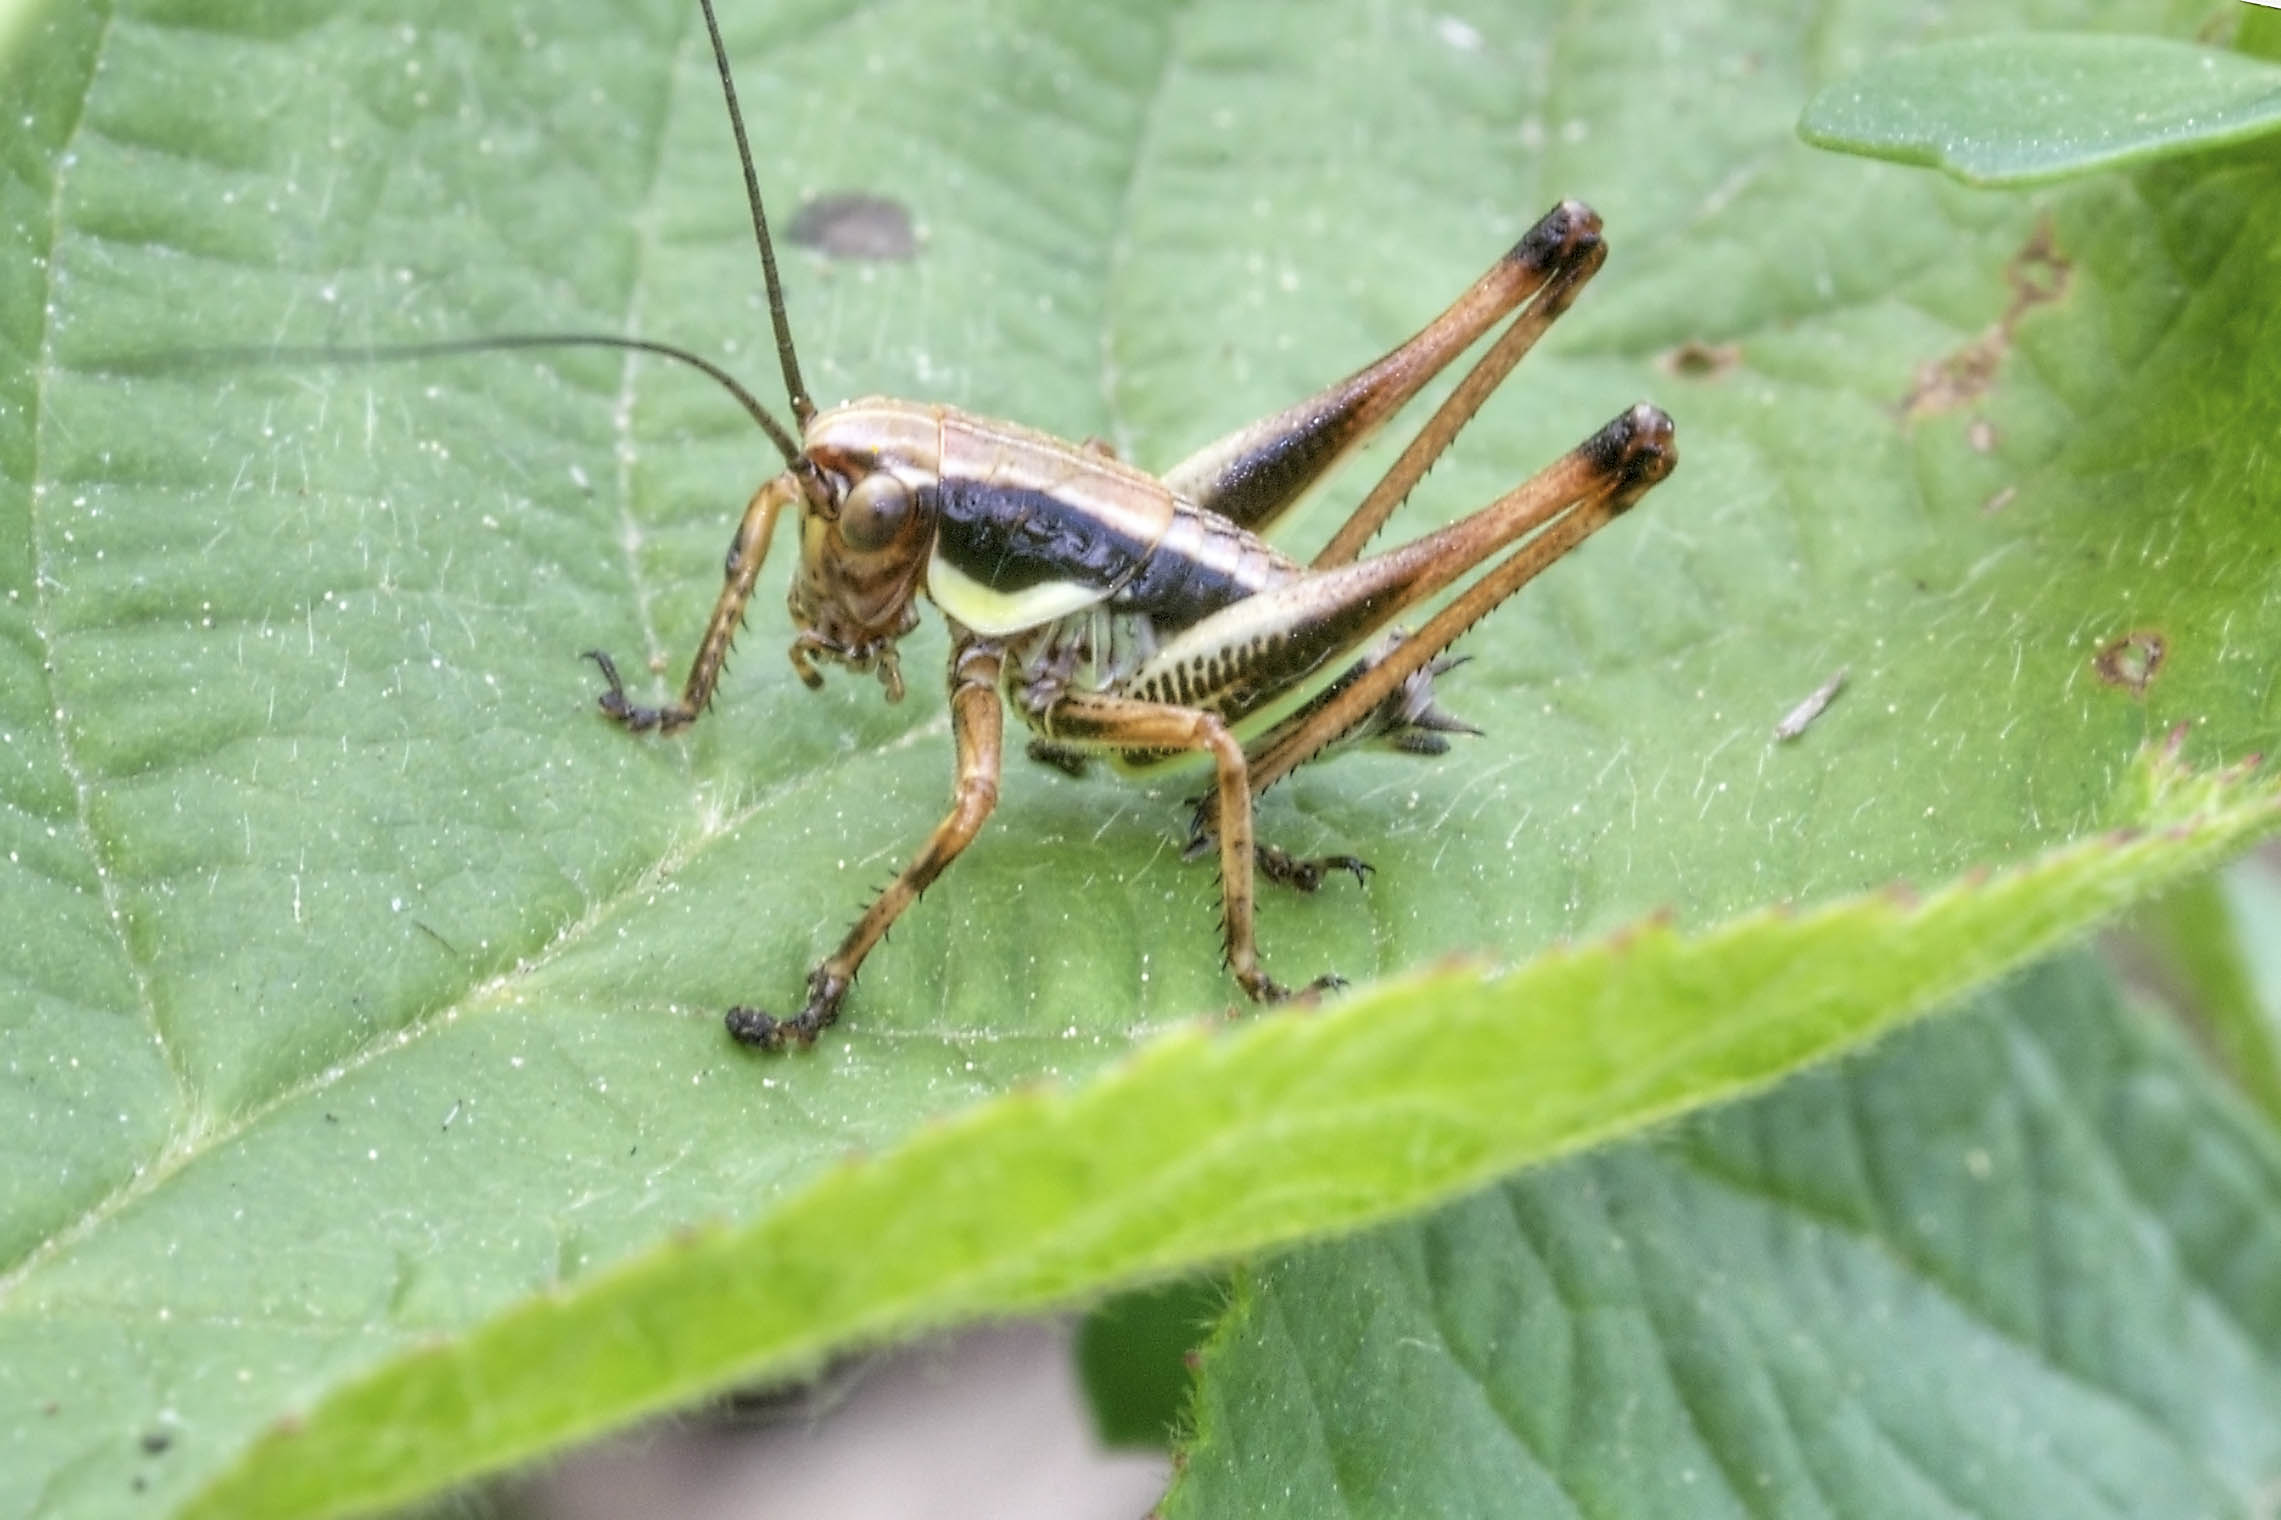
(1133, 1353)
(2258, 33)
(362, 985)
(2215, 944)
(2033, 107)
(2022, 1263)
(1208, 1143)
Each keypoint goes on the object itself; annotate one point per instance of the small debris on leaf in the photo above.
(1807, 711)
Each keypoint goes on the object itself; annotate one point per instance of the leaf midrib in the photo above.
(42, 613)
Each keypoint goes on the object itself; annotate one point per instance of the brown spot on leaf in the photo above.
(1947, 383)
(2132, 661)
(2038, 275)
(1981, 435)
(855, 225)
(1697, 360)
(1999, 501)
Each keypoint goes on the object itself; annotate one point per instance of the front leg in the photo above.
(977, 719)
(747, 551)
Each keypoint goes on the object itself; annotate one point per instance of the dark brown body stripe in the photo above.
(1010, 539)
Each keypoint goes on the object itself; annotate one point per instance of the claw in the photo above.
(760, 1030)
(639, 719)
(1304, 874)
(1260, 987)
(1263, 988)
(765, 1031)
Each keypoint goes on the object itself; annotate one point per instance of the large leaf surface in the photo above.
(1200, 1147)
(362, 982)
(2028, 107)
(2021, 1263)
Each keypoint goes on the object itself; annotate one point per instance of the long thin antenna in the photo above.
(384, 353)
(794, 387)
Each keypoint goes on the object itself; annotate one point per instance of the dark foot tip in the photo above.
(1639, 447)
(765, 1031)
(612, 701)
(1299, 874)
(613, 697)
(1559, 235)
(1654, 448)
(1304, 874)
(609, 668)
(1262, 988)
(1651, 426)
(1307, 996)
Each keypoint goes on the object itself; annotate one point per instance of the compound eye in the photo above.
(875, 512)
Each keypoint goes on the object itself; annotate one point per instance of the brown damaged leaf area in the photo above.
(1697, 360)
(2132, 661)
(2038, 275)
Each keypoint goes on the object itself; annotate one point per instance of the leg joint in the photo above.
(976, 799)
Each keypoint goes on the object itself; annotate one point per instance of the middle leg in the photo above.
(1102, 721)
